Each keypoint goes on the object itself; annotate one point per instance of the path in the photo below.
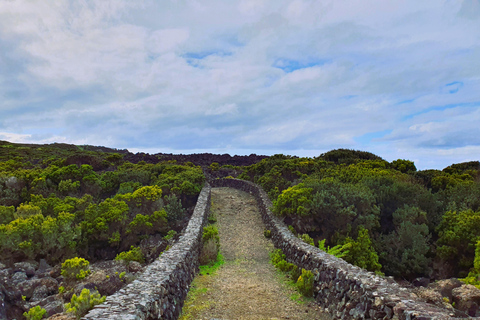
(247, 286)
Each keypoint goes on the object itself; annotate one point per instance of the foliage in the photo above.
(361, 252)
(170, 235)
(210, 232)
(134, 254)
(307, 239)
(75, 269)
(80, 305)
(305, 283)
(458, 235)
(35, 313)
(267, 233)
(338, 251)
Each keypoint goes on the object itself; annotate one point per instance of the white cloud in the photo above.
(276, 75)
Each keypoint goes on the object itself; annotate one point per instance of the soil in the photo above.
(247, 285)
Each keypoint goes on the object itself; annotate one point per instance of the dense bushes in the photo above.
(61, 201)
(416, 223)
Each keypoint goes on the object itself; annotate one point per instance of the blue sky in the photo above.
(400, 79)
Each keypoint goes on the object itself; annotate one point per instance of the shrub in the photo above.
(305, 283)
(75, 269)
(212, 218)
(267, 233)
(170, 235)
(210, 232)
(307, 239)
(292, 229)
(134, 254)
(35, 313)
(209, 252)
(80, 305)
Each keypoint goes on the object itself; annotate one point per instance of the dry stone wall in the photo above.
(347, 291)
(161, 289)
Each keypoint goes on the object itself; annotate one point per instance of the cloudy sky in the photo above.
(397, 78)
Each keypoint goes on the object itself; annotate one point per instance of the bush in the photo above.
(305, 283)
(267, 233)
(209, 252)
(170, 235)
(210, 232)
(35, 313)
(211, 245)
(80, 305)
(75, 269)
(307, 239)
(134, 254)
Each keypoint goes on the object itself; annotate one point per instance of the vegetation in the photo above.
(75, 269)
(383, 216)
(61, 201)
(79, 306)
(134, 254)
(35, 313)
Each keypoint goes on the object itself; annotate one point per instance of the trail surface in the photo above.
(247, 286)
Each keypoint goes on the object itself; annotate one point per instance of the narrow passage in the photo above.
(247, 286)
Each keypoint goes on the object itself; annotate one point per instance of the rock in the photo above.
(421, 282)
(3, 307)
(40, 293)
(51, 285)
(445, 287)
(56, 271)
(134, 267)
(62, 316)
(467, 299)
(18, 277)
(54, 307)
(152, 247)
(105, 283)
(5, 274)
(27, 287)
(43, 266)
(2, 266)
(27, 267)
(430, 296)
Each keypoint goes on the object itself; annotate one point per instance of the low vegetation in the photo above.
(384, 216)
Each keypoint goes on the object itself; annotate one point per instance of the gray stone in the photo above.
(18, 277)
(39, 293)
(27, 267)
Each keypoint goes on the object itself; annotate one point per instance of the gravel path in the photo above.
(247, 286)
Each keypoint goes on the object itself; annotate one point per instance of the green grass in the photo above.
(212, 268)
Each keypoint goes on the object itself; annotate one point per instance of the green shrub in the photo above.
(307, 239)
(75, 269)
(338, 251)
(134, 254)
(80, 305)
(292, 229)
(212, 218)
(267, 233)
(276, 256)
(210, 232)
(305, 283)
(35, 313)
(295, 273)
(170, 235)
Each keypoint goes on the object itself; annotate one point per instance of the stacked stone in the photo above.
(346, 291)
(159, 292)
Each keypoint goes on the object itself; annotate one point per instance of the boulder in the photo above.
(54, 307)
(134, 267)
(27, 287)
(62, 316)
(467, 299)
(105, 281)
(51, 284)
(43, 266)
(56, 271)
(3, 306)
(445, 287)
(27, 267)
(40, 293)
(18, 277)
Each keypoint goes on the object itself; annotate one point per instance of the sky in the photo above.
(397, 78)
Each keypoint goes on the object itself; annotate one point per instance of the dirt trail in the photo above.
(247, 286)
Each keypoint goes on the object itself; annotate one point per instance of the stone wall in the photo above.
(347, 291)
(161, 289)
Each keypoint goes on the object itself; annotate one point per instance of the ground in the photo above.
(247, 285)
